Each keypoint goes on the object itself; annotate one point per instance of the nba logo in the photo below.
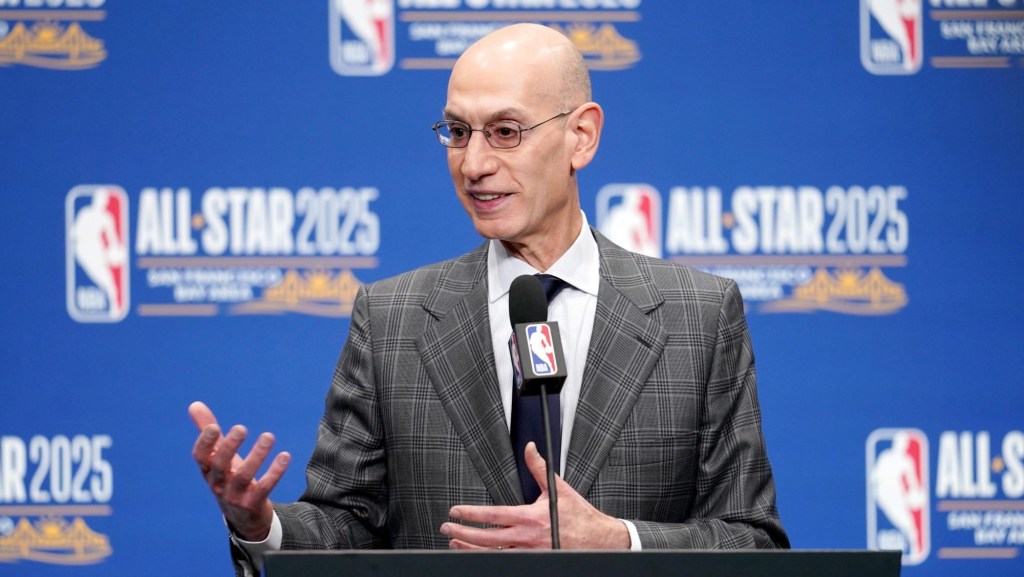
(897, 495)
(96, 228)
(890, 36)
(542, 352)
(362, 36)
(630, 216)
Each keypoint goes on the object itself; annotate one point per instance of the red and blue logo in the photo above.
(362, 36)
(891, 36)
(96, 229)
(897, 499)
(542, 352)
(630, 216)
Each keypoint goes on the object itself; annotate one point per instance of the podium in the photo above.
(742, 563)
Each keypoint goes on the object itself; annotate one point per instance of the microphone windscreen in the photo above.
(526, 301)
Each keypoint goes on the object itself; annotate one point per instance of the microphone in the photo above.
(538, 356)
(539, 363)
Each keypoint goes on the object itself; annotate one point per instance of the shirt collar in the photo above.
(579, 266)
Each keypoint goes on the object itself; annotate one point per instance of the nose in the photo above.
(478, 158)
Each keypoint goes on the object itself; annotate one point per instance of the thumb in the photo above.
(537, 465)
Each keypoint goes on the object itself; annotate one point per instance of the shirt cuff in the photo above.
(256, 549)
(634, 536)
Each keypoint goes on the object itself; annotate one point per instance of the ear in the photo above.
(589, 119)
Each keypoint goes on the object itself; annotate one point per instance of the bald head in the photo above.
(550, 62)
(526, 195)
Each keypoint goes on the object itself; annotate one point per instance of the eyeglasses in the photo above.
(500, 134)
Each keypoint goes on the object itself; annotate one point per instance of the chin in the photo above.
(488, 232)
(493, 229)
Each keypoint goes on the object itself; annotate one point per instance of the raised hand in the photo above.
(244, 500)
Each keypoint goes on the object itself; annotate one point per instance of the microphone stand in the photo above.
(552, 493)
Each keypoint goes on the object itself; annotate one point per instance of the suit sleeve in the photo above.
(735, 502)
(344, 505)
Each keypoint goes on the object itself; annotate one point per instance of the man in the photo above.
(662, 444)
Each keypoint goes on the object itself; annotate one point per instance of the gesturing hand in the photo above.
(244, 500)
(581, 525)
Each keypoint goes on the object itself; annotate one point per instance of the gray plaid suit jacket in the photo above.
(667, 432)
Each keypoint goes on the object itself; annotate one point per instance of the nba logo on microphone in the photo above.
(96, 229)
(362, 37)
(630, 216)
(542, 352)
(897, 493)
(890, 36)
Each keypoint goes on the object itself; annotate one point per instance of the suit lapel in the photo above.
(625, 345)
(459, 359)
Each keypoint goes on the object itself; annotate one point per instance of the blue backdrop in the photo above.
(192, 192)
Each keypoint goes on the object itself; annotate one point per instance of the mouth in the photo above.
(486, 196)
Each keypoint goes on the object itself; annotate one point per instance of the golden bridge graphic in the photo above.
(317, 293)
(602, 46)
(48, 44)
(54, 540)
(849, 291)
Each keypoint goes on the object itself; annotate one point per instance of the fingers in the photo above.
(244, 501)
(462, 545)
(201, 415)
(274, 473)
(225, 459)
(202, 451)
(496, 515)
(467, 537)
(245, 471)
(209, 435)
(516, 527)
(219, 460)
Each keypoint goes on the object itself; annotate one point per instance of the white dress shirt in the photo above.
(573, 309)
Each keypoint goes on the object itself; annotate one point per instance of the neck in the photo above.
(546, 252)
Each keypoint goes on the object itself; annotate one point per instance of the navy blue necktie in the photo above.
(528, 424)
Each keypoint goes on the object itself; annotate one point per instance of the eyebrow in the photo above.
(505, 113)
